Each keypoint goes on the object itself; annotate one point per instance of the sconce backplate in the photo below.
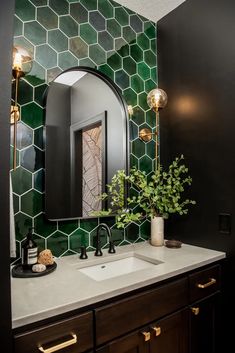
(145, 134)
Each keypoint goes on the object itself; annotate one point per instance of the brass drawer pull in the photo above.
(59, 346)
(208, 284)
(146, 335)
(157, 330)
(195, 310)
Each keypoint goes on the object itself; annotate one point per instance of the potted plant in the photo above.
(154, 197)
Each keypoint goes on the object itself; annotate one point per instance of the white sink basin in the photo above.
(116, 268)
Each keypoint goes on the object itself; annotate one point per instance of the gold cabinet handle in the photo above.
(157, 330)
(208, 284)
(146, 335)
(195, 310)
(59, 346)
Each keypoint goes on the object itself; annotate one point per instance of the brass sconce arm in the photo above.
(22, 64)
(156, 99)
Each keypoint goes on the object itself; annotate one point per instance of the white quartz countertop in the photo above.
(66, 288)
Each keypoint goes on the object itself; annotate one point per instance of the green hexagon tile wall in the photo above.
(61, 34)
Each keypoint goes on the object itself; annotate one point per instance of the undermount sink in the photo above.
(117, 268)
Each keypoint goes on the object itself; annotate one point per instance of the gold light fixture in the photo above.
(21, 65)
(130, 110)
(156, 99)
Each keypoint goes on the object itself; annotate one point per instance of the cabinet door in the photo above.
(170, 335)
(203, 325)
(137, 342)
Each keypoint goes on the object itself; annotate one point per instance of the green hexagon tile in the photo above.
(61, 34)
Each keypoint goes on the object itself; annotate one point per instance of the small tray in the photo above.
(174, 244)
(19, 272)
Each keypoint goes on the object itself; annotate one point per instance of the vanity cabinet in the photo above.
(128, 314)
(204, 292)
(73, 335)
(159, 314)
(177, 316)
(167, 335)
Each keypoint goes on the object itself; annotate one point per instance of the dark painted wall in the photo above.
(6, 33)
(197, 69)
(196, 63)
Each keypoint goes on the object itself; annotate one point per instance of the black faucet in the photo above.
(98, 251)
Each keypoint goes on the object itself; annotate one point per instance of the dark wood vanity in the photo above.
(174, 316)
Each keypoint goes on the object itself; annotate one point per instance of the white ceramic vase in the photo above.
(157, 231)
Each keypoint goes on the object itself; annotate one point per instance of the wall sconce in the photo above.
(21, 65)
(156, 99)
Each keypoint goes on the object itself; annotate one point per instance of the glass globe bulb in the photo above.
(157, 99)
(22, 62)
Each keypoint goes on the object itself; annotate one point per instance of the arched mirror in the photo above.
(86, 142)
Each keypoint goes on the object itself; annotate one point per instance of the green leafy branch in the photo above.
(160, 196)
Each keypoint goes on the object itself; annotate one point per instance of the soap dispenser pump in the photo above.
(29, 251)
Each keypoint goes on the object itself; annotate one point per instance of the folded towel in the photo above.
(12, 224)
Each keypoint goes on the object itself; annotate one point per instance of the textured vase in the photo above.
(157, 231)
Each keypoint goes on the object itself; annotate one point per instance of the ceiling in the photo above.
(151, 9)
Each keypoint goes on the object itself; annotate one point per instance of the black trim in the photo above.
(125, 113)
(6, 35)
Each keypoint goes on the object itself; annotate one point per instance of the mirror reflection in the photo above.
(86, 142)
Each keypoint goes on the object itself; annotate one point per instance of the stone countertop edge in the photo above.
(34, 299)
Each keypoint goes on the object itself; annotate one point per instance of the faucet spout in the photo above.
(98, 251)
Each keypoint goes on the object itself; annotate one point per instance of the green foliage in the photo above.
(160, 196)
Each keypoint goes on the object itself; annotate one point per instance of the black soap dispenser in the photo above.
(29, 251)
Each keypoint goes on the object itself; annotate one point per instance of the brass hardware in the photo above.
(157, 99)
(130, 110)
(146, 335)
(15, 114)
(157, 330)
(146, 134)
(22, 64)
(208, 284)
(59, 346)
(195, 310)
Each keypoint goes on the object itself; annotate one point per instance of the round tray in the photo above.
(174, 244)
(20, 272)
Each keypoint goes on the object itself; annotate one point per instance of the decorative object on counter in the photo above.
(156, 100)
(45, 257)
(157, 231)
(21, 65)
(173, 243)
(83, 254)
(19, 272)
(29, 251)
(33, 265)
(38, 268)
(157, 196)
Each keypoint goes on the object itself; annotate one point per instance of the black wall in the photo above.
(196, 61)
(6, 35)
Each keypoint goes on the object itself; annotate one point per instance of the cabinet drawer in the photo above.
(75, 332)
(204, 283)
(128, 314)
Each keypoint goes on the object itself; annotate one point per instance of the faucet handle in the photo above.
(98, 252)
(111, 248)
(83, 254)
